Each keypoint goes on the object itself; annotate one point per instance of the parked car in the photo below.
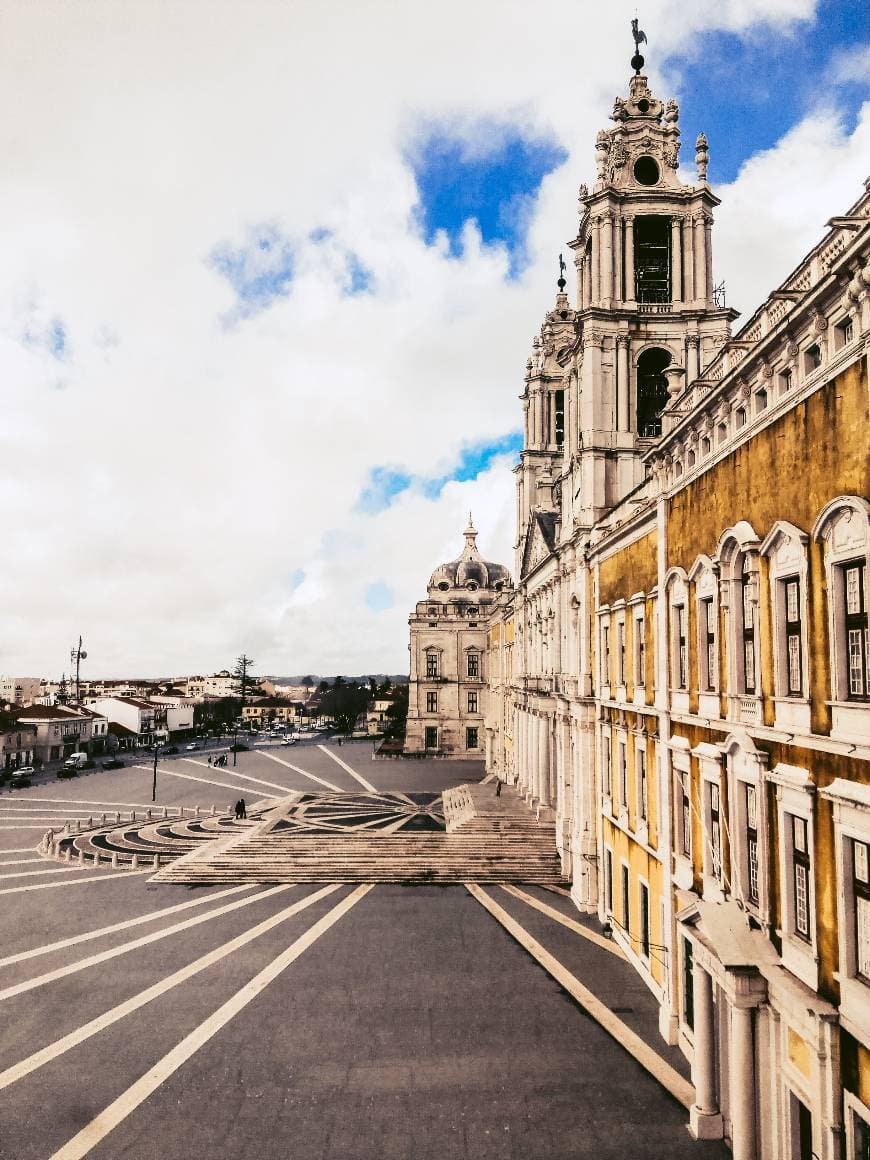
(289, 741)
(192, 745)
(112, 763)
(21, 777)
(68, 771)
(171, 749)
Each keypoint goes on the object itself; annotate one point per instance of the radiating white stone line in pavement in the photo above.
(670, 1079)
(19, 861)
(39, 1058)
(27, 826)
(117, 1111)
(49, 870)
(109, 807)
(244, 776)
(192, 777)
(606, 944)
(353, 773)
(20, 850)
(142, 941)
(16, 810)
(304, 773)
(109, 876)
(140, 919)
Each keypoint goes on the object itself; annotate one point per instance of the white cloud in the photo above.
(167, 480)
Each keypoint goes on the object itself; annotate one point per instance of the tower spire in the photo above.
(639, 39)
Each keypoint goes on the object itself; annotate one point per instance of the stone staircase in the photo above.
(493, 840)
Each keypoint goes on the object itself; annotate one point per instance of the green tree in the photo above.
(243, 679)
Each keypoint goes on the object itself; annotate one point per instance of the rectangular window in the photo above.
(605, 765)
(642, 791)
(640, 651)
(844, 333)
(801, 877)
(626, 913)
(715, 832)
(708, 638)
(431, 665)
(623, 774)
(559, 416)
(605, 654)
(856, 634)
(813, 358)
(608, 881)
(680, 645)
(431, 737)
(644, 920)
(472, 702)
(792, 604)
(752, 842)
(748, 635)
(861, 896)
(620, 653)
(473, 665)
(685, 815)
(471, 738)
(431, 702)
(688, 985)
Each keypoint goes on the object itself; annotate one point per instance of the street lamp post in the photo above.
(154, 777)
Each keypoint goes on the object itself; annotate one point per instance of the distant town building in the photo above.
(21, 690)
(447, 691)
(62, 730)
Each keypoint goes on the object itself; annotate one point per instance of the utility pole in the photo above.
(154, 777)
(77, 655)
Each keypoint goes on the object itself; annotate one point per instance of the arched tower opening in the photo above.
(652, 391)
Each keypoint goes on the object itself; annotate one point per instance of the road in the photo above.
(334, 1023)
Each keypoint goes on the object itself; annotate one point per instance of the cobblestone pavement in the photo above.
(153, 1022)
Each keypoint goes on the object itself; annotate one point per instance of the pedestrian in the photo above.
(209, 759)
(243, 810)
(237, 810)
(498, 788)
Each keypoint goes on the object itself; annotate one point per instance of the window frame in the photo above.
(850, 803)
(430, 730)
(843, 530)
(705, 580)
(785, 549)
(795, 792)
(431, 701)
(472, 732)
(473, 696)
(473, 661)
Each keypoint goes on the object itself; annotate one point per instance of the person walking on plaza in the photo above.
(243, 812)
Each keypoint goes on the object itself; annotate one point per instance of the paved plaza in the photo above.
(340, 1021)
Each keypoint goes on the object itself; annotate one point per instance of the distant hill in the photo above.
(316, 678)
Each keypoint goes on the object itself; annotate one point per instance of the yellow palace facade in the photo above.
(681, 677)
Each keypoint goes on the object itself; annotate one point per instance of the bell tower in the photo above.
(645, 304)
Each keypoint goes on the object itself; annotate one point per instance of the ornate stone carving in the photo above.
(671, 153)
(693, 341)
(820, 323)
(702, 156)
(623, 340)
(766, 371)
(618, 156)
(672, 111)
(602, 146)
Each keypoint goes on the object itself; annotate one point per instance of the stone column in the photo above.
(607, 257)
(595, 284)
(742, 1084)
(693, 357)
(708, 256)
(544, 760)
(689, 293)
(587, 280)
(701, 292)
(629, 259)
(705, 1120)
(676, 260)
(623, 394)
(617, 259)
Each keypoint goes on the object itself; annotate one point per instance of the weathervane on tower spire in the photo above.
(562, 268)
(639, 39)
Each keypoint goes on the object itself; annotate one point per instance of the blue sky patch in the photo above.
(50, 337)
(296, 578)
(492, 180)
(379, 597)
(260, 271)
(386, 483)
(763, 82)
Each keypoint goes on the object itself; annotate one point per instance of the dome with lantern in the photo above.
(470, 572)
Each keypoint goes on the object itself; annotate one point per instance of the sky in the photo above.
(270, 272)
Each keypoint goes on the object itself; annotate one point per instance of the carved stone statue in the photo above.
(671, 153)
(672, 111)
(602, 145)
(702, 157)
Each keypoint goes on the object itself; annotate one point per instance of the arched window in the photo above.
(652, 391)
